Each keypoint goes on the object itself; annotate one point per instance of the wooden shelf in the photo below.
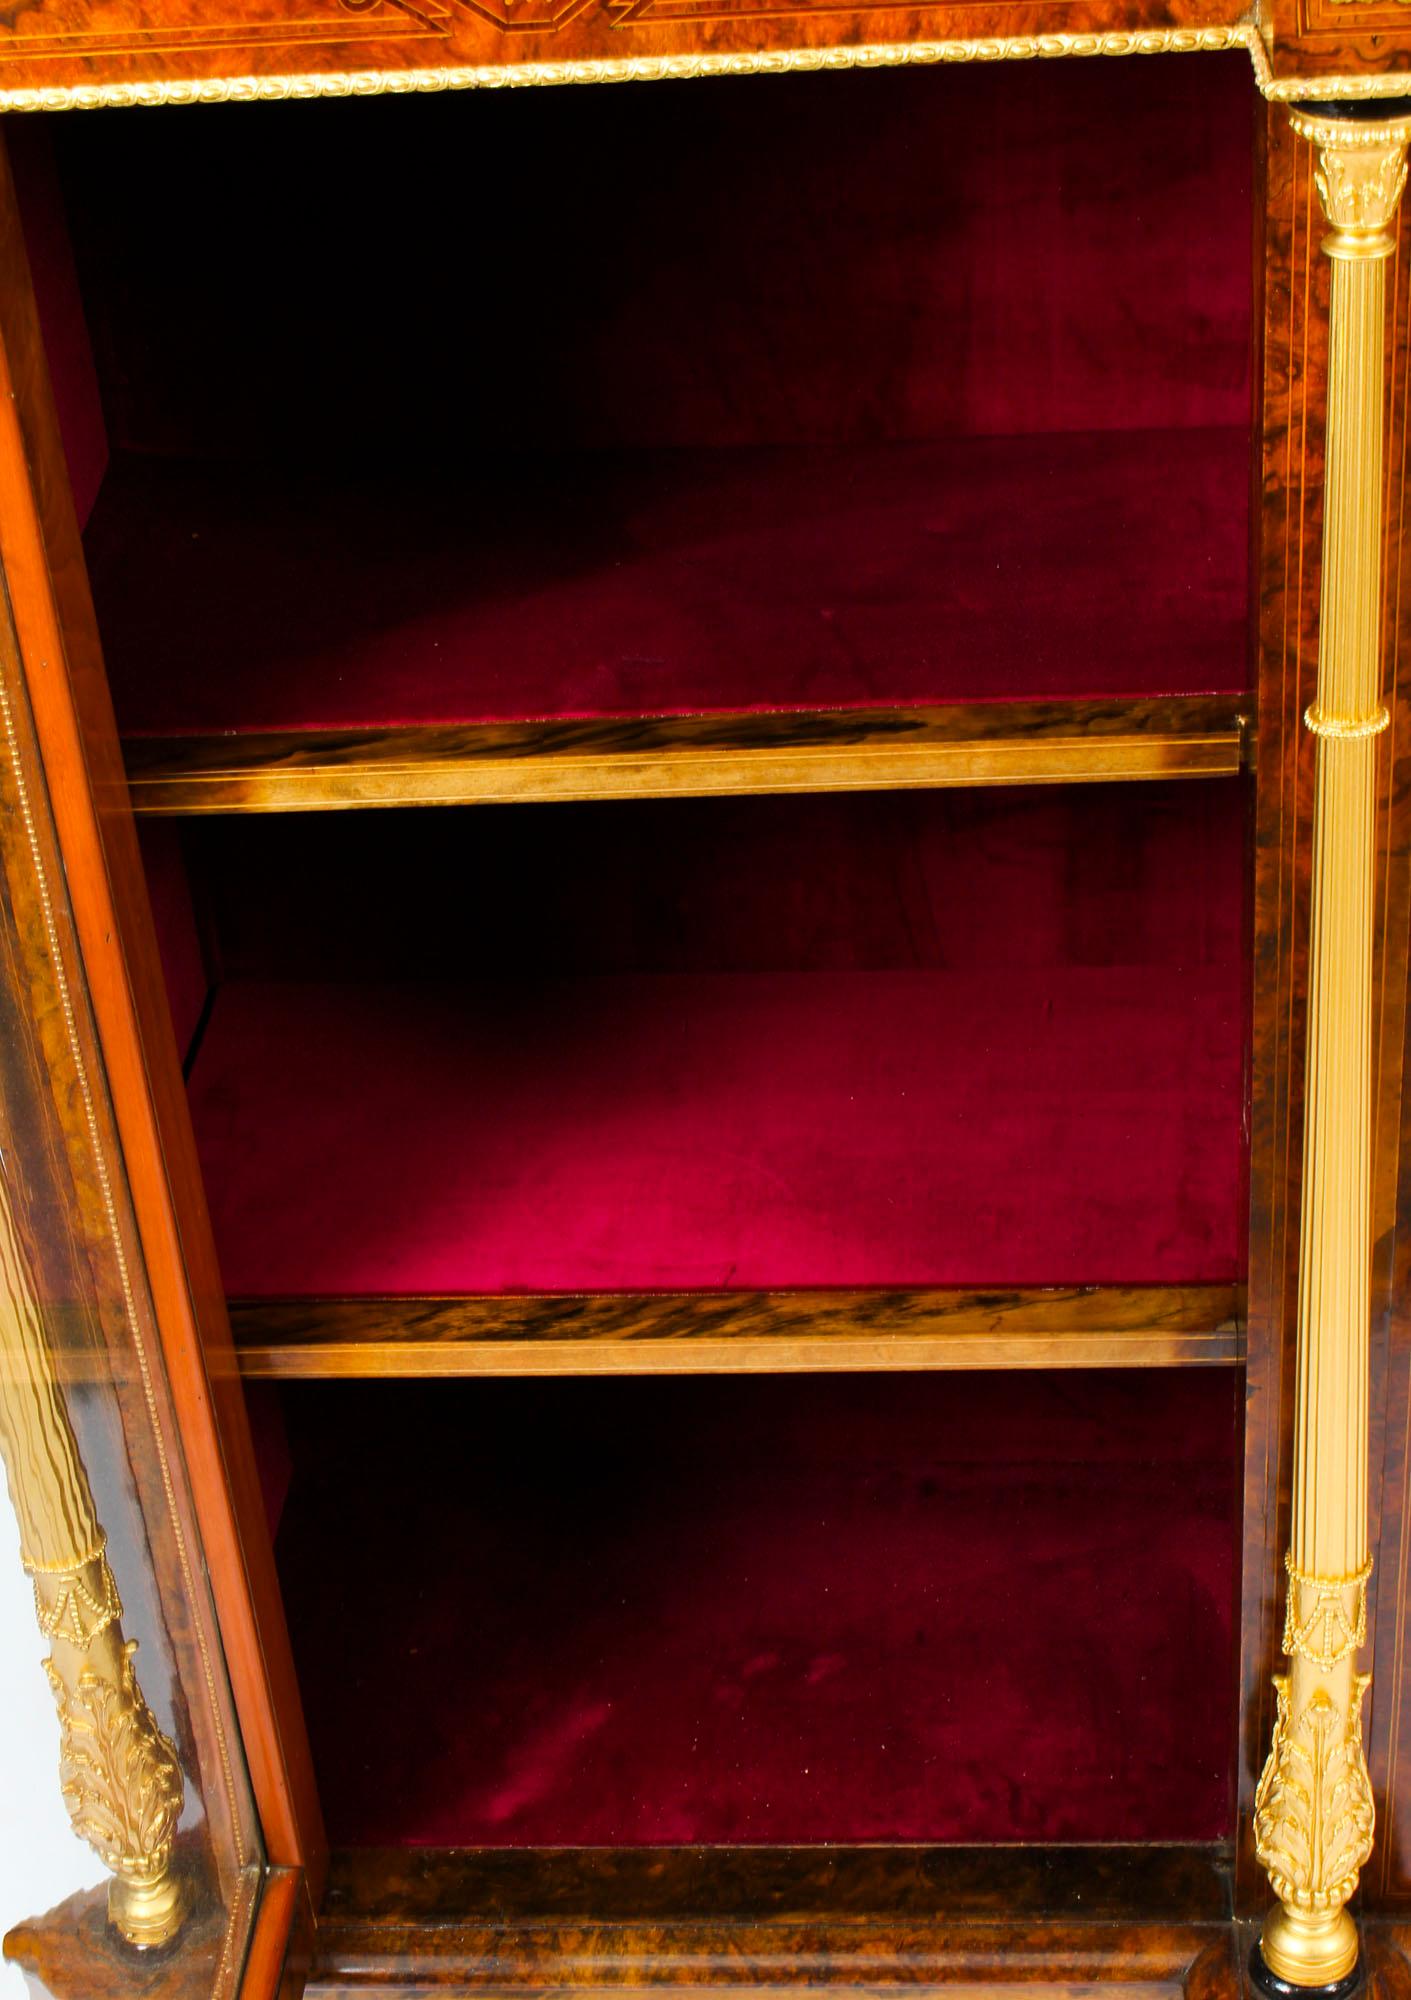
(705, 1333)
(965, 610)
(681, 1886)
(978, 743)
(525, 1920)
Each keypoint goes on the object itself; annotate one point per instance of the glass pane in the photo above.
(147, 1756)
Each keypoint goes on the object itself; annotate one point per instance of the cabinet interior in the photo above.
(622, 442)
(960, 1608)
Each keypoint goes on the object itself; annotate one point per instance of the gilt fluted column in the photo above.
(1313, 1818)
(118, 1773)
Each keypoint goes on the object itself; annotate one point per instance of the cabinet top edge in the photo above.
(228, 87)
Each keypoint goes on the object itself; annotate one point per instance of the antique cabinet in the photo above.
(705, 880)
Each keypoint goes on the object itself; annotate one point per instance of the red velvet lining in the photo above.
(905, 1128)
(812, 1609)
(967, 569)
(847, 258)
(946, 1037)
(178, 940)
(1002, 880)
(980, 375)
(67, 351)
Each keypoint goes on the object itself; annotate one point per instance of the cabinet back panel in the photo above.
(825, 258)
(939, 1039)
(592, 583)
(1023, 878)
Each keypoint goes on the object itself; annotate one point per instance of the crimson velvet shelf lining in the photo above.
(278, 639)
(656, 584)
(959, 415)
(728, 1049)
(993, 251)
(766, 1611)
(737, 1131)
(990, 253)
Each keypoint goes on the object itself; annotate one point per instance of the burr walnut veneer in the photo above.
(785, 1360)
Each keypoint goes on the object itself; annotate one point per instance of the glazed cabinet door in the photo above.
(122, 1433)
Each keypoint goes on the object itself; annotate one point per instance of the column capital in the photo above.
(1360, 175)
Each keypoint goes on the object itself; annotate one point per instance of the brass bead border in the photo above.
(638, 69)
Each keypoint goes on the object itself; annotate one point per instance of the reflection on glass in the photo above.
(120, 1777)
(150, 1764)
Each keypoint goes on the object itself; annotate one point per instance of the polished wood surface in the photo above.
(277, 1962)
(1345, 38)
(383, 1886)
(42, 559)
(55, 45)
(990, 743)
(53, 51)
(1068, 1958)
(1151, 1920)
(765, 1918)
(710, 1333)
(72, 1953)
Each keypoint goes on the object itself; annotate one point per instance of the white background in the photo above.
(41, 1861)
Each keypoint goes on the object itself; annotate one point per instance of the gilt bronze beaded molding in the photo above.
(1213, 39)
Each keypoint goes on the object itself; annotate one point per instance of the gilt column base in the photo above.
(147, 1915)
(1306, 1958)
(1314, 1816)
